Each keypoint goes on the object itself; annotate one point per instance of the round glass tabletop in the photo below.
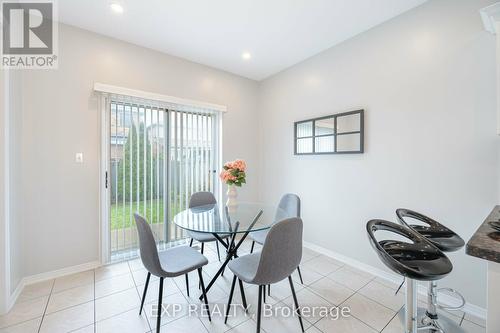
(214, 219)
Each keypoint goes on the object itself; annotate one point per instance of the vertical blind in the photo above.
(159, 157)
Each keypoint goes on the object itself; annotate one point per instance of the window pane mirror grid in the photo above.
(304, 129)
(349, 142)
(349, 123)
(324, 126)
(326, 134)
(324, 144)
(304, 146)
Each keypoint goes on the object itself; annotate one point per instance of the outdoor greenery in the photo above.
(135, 170)
(138, 182)
(122, 215)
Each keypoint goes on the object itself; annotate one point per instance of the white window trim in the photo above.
(105, 94)
(170, 101)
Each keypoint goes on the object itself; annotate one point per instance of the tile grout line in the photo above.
(233, 327)
(117, 314)
(320, 296)
(374, 300)
(68, 307)
(354, 292)
(391, 319)
(138, 293)
(114, 293)
(316, 327)
(46, 305)
(27, 320)
(112, 277)
(346, 286)
(370, 326)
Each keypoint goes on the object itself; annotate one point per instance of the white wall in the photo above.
(4, 284)
(427, 82)
(60, 118)
(16, 203)
(11, 260)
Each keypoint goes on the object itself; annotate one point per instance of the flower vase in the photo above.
(232, 198)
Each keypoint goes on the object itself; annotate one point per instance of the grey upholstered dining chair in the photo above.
(289, 206)
(278, 259)
(173, 262)
(201, 199)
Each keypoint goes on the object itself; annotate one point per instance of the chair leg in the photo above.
(259, 306)
(202, 249)
(230, 299)
(242, 291)
(268, 290)
(300, 275)
(144, 292)
(187, 284)
(264, 292)
(200, 275)
(160, 298)
(296, 302)
(218, 252)
(191, 243)
(251, 249)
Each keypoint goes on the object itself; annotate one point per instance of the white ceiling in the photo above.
(277, 33)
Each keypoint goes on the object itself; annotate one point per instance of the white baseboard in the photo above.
(47, 276)
(15, 294)
(448, 300)
(60, 272)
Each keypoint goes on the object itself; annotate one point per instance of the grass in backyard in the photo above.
(122, 215)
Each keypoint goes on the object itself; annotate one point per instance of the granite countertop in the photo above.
(485, 243)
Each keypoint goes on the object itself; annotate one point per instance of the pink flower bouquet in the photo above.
(234, 173)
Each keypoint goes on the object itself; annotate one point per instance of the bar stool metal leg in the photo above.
(432, 300)
(411, 306)
(430, 320)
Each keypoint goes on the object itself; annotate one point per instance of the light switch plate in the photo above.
(79, 158)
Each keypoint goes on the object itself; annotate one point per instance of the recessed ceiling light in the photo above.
(117, 8)
(246, 55)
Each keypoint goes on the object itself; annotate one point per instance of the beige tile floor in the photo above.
(107, 299)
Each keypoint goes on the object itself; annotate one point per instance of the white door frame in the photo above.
(105, 167)
(104, 182)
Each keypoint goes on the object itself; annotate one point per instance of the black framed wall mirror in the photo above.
(340, 133)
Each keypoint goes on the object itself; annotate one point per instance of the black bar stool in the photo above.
(415, 258)
(445, 240)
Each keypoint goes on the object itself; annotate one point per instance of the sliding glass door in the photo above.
(158, 158)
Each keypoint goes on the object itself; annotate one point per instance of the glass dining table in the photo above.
(220, 220)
